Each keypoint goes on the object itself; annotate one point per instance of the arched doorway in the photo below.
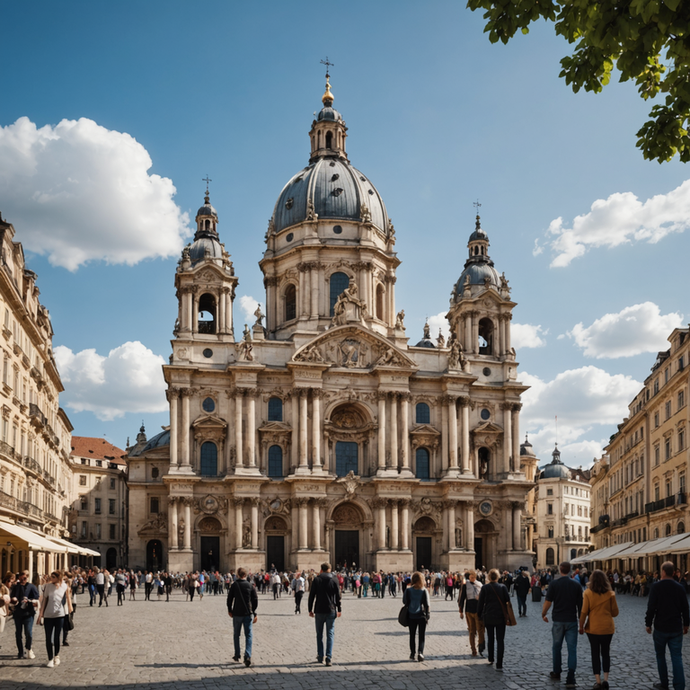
(423, 536)
(275, 529)
(347, 520)
(111, 558)
(209, 543)
(154, 555)
(485, 544)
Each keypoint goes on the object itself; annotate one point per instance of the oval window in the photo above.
(337, 229)
(208, 405)
(289, 237)
(485, 414)
(208, 352)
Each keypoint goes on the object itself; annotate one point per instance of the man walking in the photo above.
(667, 612)
(521, 588)
(242, 604)
(24, 597)
(467, 603)
(298, 585)
(566, 596)
(324, 605)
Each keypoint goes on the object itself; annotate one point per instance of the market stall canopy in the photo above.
(601, 554)
(32, 539)
(74, 548)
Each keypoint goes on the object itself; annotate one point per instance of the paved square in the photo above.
(180, 644)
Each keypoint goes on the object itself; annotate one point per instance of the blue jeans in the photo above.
(522, 604)
(327, 619)
(675, 646)
(569, 632)
(238, 623)
(25, 624)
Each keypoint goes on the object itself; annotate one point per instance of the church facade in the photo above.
(321, 434)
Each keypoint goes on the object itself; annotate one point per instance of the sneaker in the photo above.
(57, 660)
(420, 657)
(50, 664)
(328, 661)
(554, 676)
(235, 658)
(570, 680)
(31, 654)
(247, 661)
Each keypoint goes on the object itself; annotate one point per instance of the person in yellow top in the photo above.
(599, 608)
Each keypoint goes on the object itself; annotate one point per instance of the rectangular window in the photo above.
(97, 506)
(668, 410)
(84, 461)
(113, 531)
(112, 483)
(99, 463)
(111, 506)
(681, 440)
(681, 399)
(549, 492)
(84, 529)
(98, 530)
(669, 488)
(154, 505)
(656, 492)
(667, 449)
(82, 480)
(656, 419)
(681, 363)
(84, 503)
(657, 456)
(549, 509)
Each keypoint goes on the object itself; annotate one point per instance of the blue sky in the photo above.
(438, 117)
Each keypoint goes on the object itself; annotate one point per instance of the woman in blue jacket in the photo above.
(416, 599)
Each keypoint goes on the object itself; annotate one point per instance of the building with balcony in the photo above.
(35, 472)
(98, 515)
(639, 485)
(563, 506)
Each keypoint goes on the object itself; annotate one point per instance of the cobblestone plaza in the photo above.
(180, 644)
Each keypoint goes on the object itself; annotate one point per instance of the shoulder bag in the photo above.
(507, 609)
(404, 615)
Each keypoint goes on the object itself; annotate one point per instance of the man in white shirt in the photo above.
(298, 585)
(100, 587)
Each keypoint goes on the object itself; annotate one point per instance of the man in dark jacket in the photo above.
(467, 603)
(667, 611)
(242, 604)
(324, 605)
(24, 597)
(521, 588)
(566, 596)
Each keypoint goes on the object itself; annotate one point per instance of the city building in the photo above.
(563, 507)
(322, 434)
(98, 515)
(35, 473)
(640, 482)
(529, 464)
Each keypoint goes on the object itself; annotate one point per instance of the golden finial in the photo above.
(327, 98)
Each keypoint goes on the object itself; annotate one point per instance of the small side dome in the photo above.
(157, 441)
(526, 447)
(205, 248)
(330, 114)
(207, 209)
(556, 469)
(426, 341)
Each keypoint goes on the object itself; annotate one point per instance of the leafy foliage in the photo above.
(648, 41)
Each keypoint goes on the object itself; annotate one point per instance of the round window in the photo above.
(486, 371)
(289, 237)
(208, 352)
(485, 414)
(208, 405)
(337, 229)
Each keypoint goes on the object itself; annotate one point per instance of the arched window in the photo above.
(484, 455)
(656, 533)
(573, 553)
(379, 302)
(422, 413)
(338, 284)
(550, 557)
(486, 337)
(422, 464)
(329, 140)
(207, 313)
(275, 410)
(681, 527)
(275, 461)
(209, 459)
(550, 532)
(668, 530)
(290, 302)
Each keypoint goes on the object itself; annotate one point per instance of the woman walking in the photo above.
(52, 614)
(599, 608)
(416, 598)
(493, 598)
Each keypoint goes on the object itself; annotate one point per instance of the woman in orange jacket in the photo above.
(599, 608)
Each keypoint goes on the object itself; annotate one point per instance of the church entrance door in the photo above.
(275, 553)
(154, 555)
(478, 555)
(423, 553)
(346, 547)
(210, 553)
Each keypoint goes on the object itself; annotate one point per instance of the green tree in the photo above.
(648, 41)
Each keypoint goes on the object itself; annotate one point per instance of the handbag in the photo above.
(507, 609)
(69, 621)
(404, 617)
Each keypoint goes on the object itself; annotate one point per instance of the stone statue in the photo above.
(440, 341)
(365, 213)
(454, 355)
(391, 229)
(483, 468)
(348, 307)
(245, 346)
(427, 331)
(259, 316)
(400, 320)
(311, 211)
(504, 282)
(247, 537)
(339, 315)
(390, 357)
(311, 354)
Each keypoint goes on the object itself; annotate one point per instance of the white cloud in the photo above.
(129, 379)
(620, 219)
(525, 335)
(248, 306)
(79, 192)
(439, 321)
(588, 401)
(632, 331)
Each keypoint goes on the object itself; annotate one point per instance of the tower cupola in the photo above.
(328, 131)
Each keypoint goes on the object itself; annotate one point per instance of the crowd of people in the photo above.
(579, 602)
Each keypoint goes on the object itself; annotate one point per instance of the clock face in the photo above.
(485, 507)
(276, 504)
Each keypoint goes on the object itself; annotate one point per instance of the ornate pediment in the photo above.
(424, 435)
(278, 433)
(209, 428)
(157, 525)
(488, 434)
(353, 347)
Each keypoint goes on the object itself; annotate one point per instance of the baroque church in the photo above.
(319, 433)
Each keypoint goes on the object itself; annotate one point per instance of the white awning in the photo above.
(602, 554)
(33, 540)
(681, 546)
(656, 547)
(74, 548)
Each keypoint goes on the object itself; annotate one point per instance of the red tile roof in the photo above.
(97, 448)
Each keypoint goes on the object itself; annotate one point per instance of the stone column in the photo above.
(302, 292)
(313, 279)
(515, 415)
(316, 429)
(186, 450)
(316, 519)
(394, 431)
(239, 442)
(303, 441)
(405, 523)
(172, 522)
(229, 445)
(452, 435)
(405, 431)
(465, 431)
(189, 310)
(173, 394)
(444, 436)
(517, 526)
(509, 318)
(187, 524)
(303, 523)
(220, 312)
(195, 312)
(468, 331)
(395, 532)
(255, 523)
(382, 432)
(450, 508)
(251, 427)
(469, 527)
(380, 505)
(507, 435)
(294, 438)
(238, 522)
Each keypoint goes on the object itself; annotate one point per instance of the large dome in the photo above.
(337, 191)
